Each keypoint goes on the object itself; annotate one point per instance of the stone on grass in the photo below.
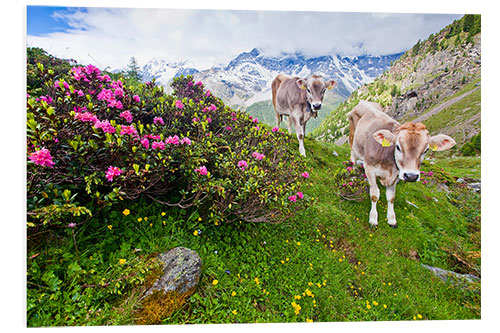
(178, 280)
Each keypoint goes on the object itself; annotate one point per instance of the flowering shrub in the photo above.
(350, 182)
(107, 141)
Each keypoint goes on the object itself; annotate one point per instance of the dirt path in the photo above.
(442, 106)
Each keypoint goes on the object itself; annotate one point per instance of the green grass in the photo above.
(326, 258)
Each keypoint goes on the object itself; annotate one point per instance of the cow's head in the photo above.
(315, 87)
(412, 141)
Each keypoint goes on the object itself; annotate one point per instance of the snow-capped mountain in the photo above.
(247, 78)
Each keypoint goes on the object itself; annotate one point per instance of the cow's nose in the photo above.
(317, 106)
(410, 177)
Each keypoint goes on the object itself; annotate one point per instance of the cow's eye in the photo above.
(425, 151)
(308, 90)
(398, 148)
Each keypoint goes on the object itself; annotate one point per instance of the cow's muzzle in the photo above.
(410, 177)
(316, 106)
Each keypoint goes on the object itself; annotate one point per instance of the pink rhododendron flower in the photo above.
(80, 93)
(117, 104)
(258, 156)
(117, 84)
(89, 69)
(305, 174)
(300, 195)
(112, 172)
(275, 129)
(256, 120)
(185, 141)
(228, 128)
(42, 157)
(119, 92)
(257, 128)
(202, 170)
(179, 105)
(136, 98)
(292, 198)
(158, 120)
(172, 140)
(242, 164)
(127, 116)
(105, 94)
(105, 126)
(195, 120)
(199, 83)
(47, 99)
(209, 120)
(207, 94)
(130, 130)
(145, 143)
(158, 145)
(350, 183)
(86, 117)
(212, 107)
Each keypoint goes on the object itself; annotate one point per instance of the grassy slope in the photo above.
(327, 251)
(353, 265)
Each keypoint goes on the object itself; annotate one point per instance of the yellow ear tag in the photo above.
(386, 143)
(303, 87)
(434, 147)
(330, 87)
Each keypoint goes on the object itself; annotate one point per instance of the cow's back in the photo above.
(286, 93)
(369, 118)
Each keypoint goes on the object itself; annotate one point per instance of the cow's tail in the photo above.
(353, 117)
(274, 87)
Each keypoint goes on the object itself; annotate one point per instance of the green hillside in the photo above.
(445, 66)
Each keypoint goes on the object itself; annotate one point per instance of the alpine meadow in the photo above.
(123, 172)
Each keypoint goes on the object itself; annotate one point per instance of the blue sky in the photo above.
(110, 36)
(42, 22)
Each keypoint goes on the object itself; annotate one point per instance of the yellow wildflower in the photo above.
(282, 261)
(340, 259)
(296, 307)
(256, 280)
(309, 284)
(214, 282)
(368, 306)
(419, 316)
(385, 306)
(297, 297)
(319, 285)
(126, 212)
(122, 261)
(163, 213)
(375, 303)
(199, 218)
(309, 320)
(195, 232)
(309, 293)
(414, 318)
(233, 293)
(110, 227)
(234, 312)
(139, 219)
(298, 243)
(287, 259)
(145, 218)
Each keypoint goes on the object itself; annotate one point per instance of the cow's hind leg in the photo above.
(391, 195)
(374, 195)
(290, 124)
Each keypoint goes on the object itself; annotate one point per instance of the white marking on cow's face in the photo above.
(316, 87)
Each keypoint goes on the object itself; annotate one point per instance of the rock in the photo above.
(177, 281)
(456, 279)
(181, 271)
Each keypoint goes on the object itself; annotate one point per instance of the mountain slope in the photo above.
(446, 65)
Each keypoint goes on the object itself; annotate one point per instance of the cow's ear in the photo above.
(331, 84)
(301, 83)
(384, 137)
(441, 142)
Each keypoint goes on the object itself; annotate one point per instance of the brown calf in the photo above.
(389, 151)
(299, 99)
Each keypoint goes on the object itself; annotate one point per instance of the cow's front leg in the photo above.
(391, 195)
(374, 195)
(279, 118)
(299, 130)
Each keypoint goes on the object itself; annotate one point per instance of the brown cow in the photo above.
(389, 150)
(299, 99)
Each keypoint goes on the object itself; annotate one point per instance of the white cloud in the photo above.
(111, 36)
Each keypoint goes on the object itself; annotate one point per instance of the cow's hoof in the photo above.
(394, 226)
